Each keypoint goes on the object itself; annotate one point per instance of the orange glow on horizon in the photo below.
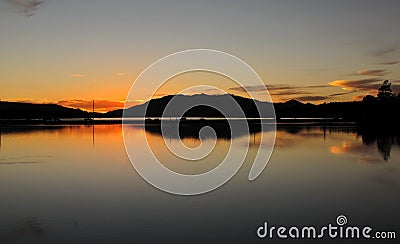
(100, 106)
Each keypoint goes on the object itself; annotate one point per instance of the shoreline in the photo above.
(157, 121)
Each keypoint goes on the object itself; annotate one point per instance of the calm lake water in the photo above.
(66, 184)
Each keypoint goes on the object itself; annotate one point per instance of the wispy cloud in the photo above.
(363, 84)
(30, 100)
(282, 92)
(372, 72)
(311, 98)
(390, 63)
(287, 92)
(26, 7)
(248, 88)
(120, 74)
(19, 162)
(319, 98)
(341, 94)
(277, 89)
(384, 51)
(78, 75)
(370, 85)
(270, 88)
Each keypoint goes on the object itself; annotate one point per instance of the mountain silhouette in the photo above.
(202, 105)
(366, 111)
(17, 110)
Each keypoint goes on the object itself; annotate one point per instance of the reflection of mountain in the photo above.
(191, 128)
(384, 138)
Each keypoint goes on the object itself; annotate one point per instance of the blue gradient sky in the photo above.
(314, 51)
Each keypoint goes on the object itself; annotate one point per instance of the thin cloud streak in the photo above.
(78, 75)
(390, 63)
(321, 98)
(341, 94)
(372, 72)
(284, 92)
(288, 93)
(363, 84)
(26, 7)
(311, 98)
(273, 88)
(384, 51)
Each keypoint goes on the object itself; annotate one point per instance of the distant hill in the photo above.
(369, 110)
(16, 110)
(289, 109)
(156, 107)
(358, 111)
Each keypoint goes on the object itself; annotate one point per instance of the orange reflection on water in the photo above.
(345, 147)
(361, 153)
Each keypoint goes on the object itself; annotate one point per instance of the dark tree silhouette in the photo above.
(369, 99)
(385, 92)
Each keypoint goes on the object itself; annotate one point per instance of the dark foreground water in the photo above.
(75, 184)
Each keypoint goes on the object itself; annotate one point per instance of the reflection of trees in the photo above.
(292, 129)
(383, 137)
(384, 142)
(384, 146)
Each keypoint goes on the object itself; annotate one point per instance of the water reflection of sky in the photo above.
(76, 183)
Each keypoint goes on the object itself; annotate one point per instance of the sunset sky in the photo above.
(70, 52)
